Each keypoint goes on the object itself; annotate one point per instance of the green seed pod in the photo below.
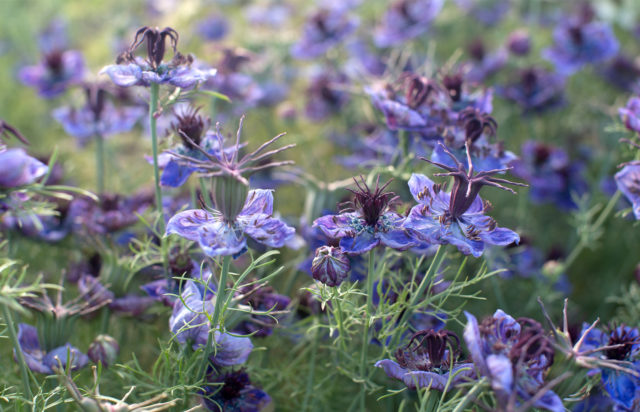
(229, 196)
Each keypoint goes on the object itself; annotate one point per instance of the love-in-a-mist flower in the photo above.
(457, 217)
(405, 20)
(326, 95)
(577, 42)
(484, 64)
(621, 345)
(514, 355)
(17, 168)
(368, 222)
(131, 70)
(55, 73)
(628, 182)
(232, 392)
(630, 114)
(98, 117)
(429, 360)
(330, 266)
(323, 30)
(238, 211)
(535, 90)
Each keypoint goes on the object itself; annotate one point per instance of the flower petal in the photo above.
(422, 379)
(266, 230)
(65, 354)
(361, 243)
(231, 350)
(124, 75)
(31, 350)
(500, 373)
(220, 239)
(474, 343)
(188, 223)
(258, 201)
(391, 368)
(418, 185)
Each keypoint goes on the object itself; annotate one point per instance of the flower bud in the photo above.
(229, 196)
(519, 43)
(330, 265)
(104, 349)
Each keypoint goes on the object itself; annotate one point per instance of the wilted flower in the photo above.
(323, 30)
(17, 168)
(369, 222)
(330, 266)
(535, 90)
(577, 43)
(98, 117)
(232, 392)
(514, 355)
(104, 349)
(134, 71)
(405, 20)
(55, 73)
(457, 217)
(429, 360)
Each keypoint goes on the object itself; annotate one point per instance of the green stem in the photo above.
(365, 333)
(104, 320)
(340, 321)
(100, 163)
(6, 313)
(153, 108)
(205, 194)
(310, 376)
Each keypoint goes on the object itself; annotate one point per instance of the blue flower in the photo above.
(577, 43)
(218, 236)
(370, 225)
(134, 71)
(628, 181)
(630, 114)
(426, 361)
(457, 217)
(57, 71)
(232, 392)
(323, 30)
(46, 362)
(536, 90)
(405, 20)
(261, 298)
(514, 356)
(488, 12)
(484, 65)
(17, 168)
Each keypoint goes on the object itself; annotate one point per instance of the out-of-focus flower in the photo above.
(370, 224)
(553, 177)
(623, 72)
(268, 14)
(405, 20)
(17, 168)
(98, 117)
(457, 217)
(130, 70)
(232, 392)
(577, 43)
(535, 90)
(428, 360)
(514, 355)
(488, 12)
(628, 181)
(104, 349)
(330, 266)
(267, 310)
(213, 28)
(325, 96)
(484, 64)
(519, 42)
(323, 30)
(55, 73)
(630, 114)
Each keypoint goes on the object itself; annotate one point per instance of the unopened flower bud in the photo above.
(519, 43)
(104, 349)
(330, 265)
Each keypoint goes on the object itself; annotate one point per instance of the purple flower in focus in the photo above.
(99, 117)
(55, 73)
(535, 90)
(457, 217)
(630, 114)
(17, 168)
(405, 20)
(219, 236)
(45, 361)
(323, 30)
(369, 224)
(513, 355)
(130, 70)
(577, 43)
(628, 181)
(426, 361)
(232, 392)
(553, 177)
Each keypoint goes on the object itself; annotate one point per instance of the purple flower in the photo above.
(484, 65)
(488, 12)
(619, 344)
(323, 30)
(268, 309)
(232, 392)
(426, 361)
(55, 73)
(405, 20)
(628, 181)
(17, 168)
(457, 217)
(330, 266)
(535, 90)
(623, 72)
(519, 42)
(552, 175)
(514, 356)
(129, 304)
(46, 362)
(104, 349)
(213, 28)
(325, 96)
(218, 236)
(630, 114)
(369, 225)
(99, 117)
(577, 43)
(134, 71)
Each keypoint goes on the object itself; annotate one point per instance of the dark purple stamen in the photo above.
(621, 341)
(190, 127)
(475, 122)
(54, 62)
(453, 84)
(156, 40)
(477, 50)
(95, 100)
(417, 89)
(371, 204)
(532, 344)
(427, 349)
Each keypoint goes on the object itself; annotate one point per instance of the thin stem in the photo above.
(100, 163)
(339, 315)
(6, 313)
(365, 333)
(153, 108)
(312, 367)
